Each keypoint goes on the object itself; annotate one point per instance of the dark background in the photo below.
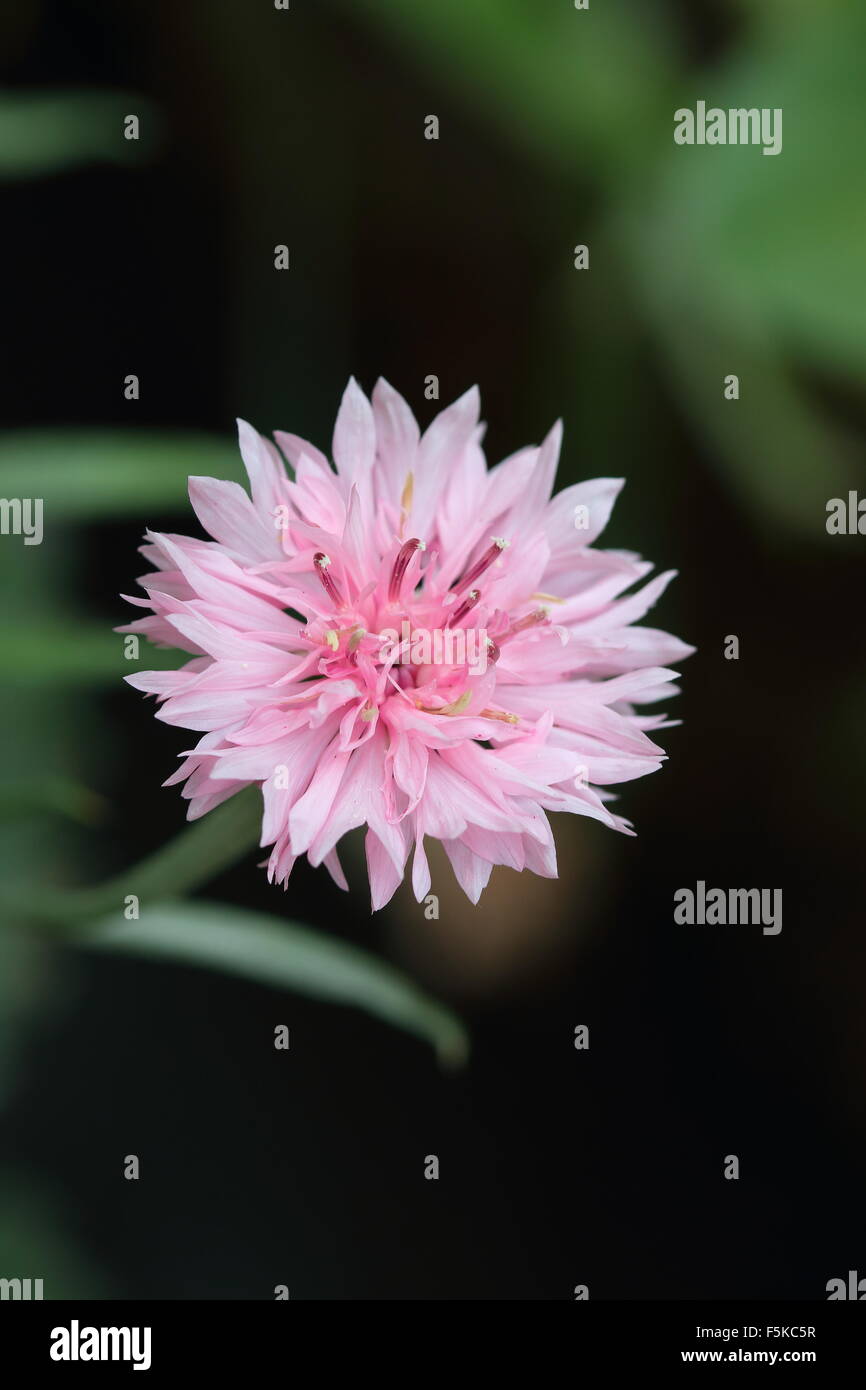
(409, 257)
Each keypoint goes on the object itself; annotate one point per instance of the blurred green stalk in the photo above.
(203, 849)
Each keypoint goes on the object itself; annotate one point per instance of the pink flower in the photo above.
(313, 618)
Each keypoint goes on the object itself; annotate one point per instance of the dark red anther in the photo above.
(492, 553)
(464, 607)
(322, 563)
(401, 564)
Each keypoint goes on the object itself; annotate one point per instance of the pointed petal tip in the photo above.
(557, 429)
(353, 388)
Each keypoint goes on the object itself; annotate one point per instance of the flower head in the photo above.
(413, 643)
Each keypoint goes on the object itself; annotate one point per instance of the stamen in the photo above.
(548, 598)
(321, 562)
(493, 652)
(401, 564)
(502, 715)
(356, 639)
(464, 607)
(406, 497)
(492, 553)
(332, 639)
(534, 619)
(456, 707)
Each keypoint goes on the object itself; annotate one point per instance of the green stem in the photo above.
(203, 849)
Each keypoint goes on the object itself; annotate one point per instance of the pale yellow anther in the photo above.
(502, 715)
(456, 707)
(407, 494)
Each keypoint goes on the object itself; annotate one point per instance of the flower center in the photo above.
(406, 637)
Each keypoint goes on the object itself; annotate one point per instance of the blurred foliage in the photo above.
(35, 1242)
(795, 262)
(569, 89)
(278, 953)
(741, 274)
(58, 795)
(104, 474)
(204, 848)
(44, 132)
(26, 986)
(72, 653)
(737, 273)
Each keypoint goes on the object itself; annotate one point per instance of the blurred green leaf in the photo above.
(74, 653)
(544, 72)
(278, 953)
(792, 262)
(27, 989)
(203, 848)
(741, 274)
(59, 795)
(109, 473)
(781, 457)
(42, 132)
(36, 1244)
